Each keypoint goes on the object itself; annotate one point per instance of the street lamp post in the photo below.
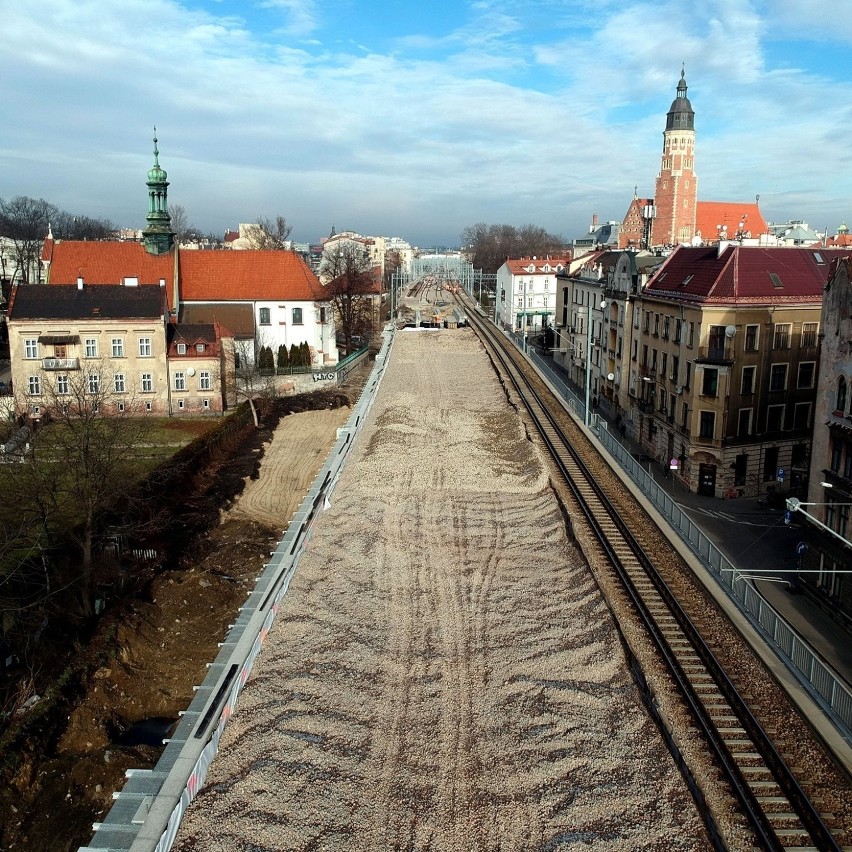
(589, 355)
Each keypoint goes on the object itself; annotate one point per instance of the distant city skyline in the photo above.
(417, 120)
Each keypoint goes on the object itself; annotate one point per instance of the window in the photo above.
(782, 336)
(199, 347)
(634, 349)
(31, 347)
(809, 334)
(666, 324)
(205, 403)
(119, 383)
(181, 349)
(664, 370)
(690, 337)
(265, 316)
(647, 324)
(678, 327)
(121, 406)
(774, 418)
(778, 377)
(802, 415)
(204, 380)
(91, 347)
(686, 384)
(716, 341)
(62, 385)
(297, 316)
(33, 385)
(59, 350)
(751, 337)
(147, 380)
(807, 370)
(144, 347)
(707, 424)
(836, 454)
(675, 368)
(710, 382)
(840, 405)
(148, 406)
(93, 382)
(747, 384)
(664, 400)
(118, 347)
(656, 325)
(180, 403)
(744, 423)
(180, 381)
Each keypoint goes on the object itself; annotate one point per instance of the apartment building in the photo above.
(723, 366)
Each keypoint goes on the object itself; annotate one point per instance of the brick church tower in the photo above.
(677, 187)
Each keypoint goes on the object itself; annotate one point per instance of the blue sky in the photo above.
(415, 119)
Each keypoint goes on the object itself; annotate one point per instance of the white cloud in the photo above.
(539, 112)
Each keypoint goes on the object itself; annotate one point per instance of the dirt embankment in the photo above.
(155, 649)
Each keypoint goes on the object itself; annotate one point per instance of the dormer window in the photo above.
(181, 349)
(199, 347)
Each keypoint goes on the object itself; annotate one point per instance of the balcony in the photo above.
(60, 363)
(714, 354)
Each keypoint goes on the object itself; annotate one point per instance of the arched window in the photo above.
(841, 394)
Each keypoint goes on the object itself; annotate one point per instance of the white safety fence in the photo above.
(147, 812)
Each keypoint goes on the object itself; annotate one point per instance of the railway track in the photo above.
(776, 813)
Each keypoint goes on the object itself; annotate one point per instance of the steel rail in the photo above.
(579, 480)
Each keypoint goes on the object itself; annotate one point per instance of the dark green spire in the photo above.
(158, 236)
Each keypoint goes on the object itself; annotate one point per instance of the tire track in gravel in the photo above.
(443, 673)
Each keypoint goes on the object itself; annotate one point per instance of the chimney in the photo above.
(79, 282)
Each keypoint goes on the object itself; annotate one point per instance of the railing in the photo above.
(817, 678)
(147, 812)
(715, 353)
(60, 363)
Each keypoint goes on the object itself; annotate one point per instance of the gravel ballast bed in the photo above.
(443, 673)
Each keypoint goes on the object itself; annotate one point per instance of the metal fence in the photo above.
(820, 681)
(148, 810)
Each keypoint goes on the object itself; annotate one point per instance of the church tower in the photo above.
(677, 187)
(157, 236)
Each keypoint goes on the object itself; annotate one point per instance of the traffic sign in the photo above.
(780, 475)
(674, 464)
(788, 516)
(801, 547)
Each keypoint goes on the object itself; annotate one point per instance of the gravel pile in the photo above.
(443, 673)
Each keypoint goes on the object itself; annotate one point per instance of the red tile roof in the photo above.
(710, 214)
(106, 263)
(204, 275)
(741, 275)
(261, 276)
(520, 266)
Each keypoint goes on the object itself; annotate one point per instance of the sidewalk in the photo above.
(756, 540)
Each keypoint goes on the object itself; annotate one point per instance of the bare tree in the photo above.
(247, 380)
(24, 222)
(269, 234)
(488, 246)
(183, 230)
(67, 226)
(354, 287)
(81, 460)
